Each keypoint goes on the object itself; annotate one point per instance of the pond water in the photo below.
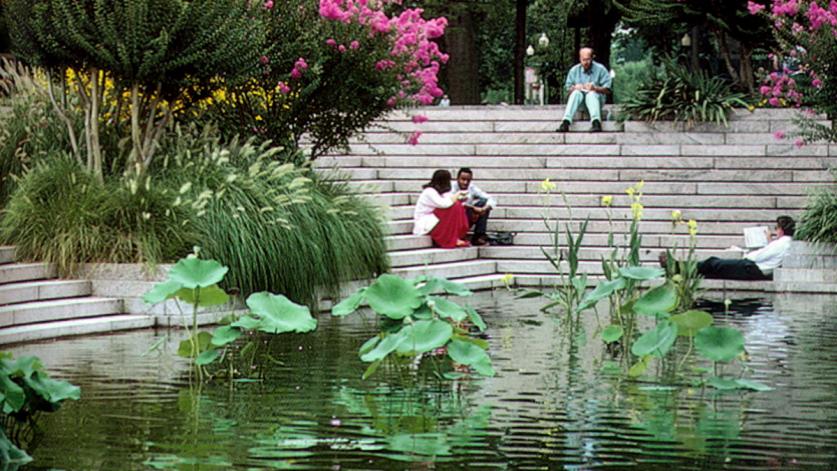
(554, 403)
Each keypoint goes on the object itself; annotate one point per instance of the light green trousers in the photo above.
(592, 101)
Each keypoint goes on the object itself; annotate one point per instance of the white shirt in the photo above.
(474, 193)
(423, 218)
(771, 255)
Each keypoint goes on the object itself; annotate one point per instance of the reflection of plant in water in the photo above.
(414, 322)
(195, 282)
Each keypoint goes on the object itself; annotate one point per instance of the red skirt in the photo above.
(452, 227)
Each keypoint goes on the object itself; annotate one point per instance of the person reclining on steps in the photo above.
(478, 204)
(588, 82)
(756, 265)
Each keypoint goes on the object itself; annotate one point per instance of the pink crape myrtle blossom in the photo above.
(419, 118)
(413, 49)
(284, 89)
(268, 5)
(779, 135)
(414, 137)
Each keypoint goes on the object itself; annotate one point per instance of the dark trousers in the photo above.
(731, 269)
(480, 222)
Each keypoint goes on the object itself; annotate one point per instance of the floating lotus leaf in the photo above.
(434, 285)
(383, 348)
(466, 353)
(601, 291)
(350, 304)
(656, 342)
(209, 296)
(612, 333)
(663, 298)
(278, 314)
(393, 297)
(161, 292)
(224, 335)
(449, 309)
(719, 343)
(425, 336)
(641, 273)
(475, 318)
(194, 272)
(690, 322)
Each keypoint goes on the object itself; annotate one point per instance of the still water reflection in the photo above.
(554, 404)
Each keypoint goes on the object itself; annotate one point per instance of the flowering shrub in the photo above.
(807, 33)
(331, 67)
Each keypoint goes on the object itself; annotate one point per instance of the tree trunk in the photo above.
(462, 70)
(519, 50)
(723, 47)
(746, 68)
(601, 21)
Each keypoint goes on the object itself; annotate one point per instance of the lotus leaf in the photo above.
(369, 344)
(484, 368)
(194, 272)
(203, 341)
(466, 353)
(690, 322)
(423, 312)
(663, 298)
(53, 390)
(475, 318)
(462, 336)
(350, 304)
(10, 455)
(602, 290)
(207, 357)
(209, 296)
(434, 285)
(425, 336)
(247, 323)
(393, 297)
(719, 343)
(161, 292)
(638, 368)
(449, 309)
(656, 342)
(278, 314)
(641, 273)
(372, 369)
(612, 333)
(224, 335)
(383, 348)
(14, 397)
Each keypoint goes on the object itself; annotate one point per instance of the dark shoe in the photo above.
(479, 241)
(597, 126)
(564, 127)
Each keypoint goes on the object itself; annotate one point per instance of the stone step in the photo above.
(390, 199)
(805, 287)
(718, 242)
(56, 310)
(15, 272)
(66, 328)
(371, 186)
(350, 173)
(622, 202)
(7, 254)
(648, 254)
(23, 292)
(449, 270)
(646, 227)
(739, 126)
(401, 227)
(408, 258)
(806, 275)
(400, 212)
(408, 242)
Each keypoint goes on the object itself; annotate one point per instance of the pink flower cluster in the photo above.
(300, 66)
(412, 43)
(779, 86)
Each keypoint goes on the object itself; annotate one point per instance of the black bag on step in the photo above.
(501, 238)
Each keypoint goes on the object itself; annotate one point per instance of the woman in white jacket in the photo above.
(439, 212)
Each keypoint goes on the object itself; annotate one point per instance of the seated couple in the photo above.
(756, 265)
(447, 210)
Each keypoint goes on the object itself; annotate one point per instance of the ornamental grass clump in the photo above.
(819, 221)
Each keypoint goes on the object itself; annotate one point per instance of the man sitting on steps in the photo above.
(588, 82)
(756, 265)
(478, 204)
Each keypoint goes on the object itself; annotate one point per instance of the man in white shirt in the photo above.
(756, 265)
(478, 204)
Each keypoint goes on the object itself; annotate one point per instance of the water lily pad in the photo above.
(194, 272)
(383, 348)
(612, 333)
(641, 273)
(350, 304)
(690, 322)
(278, 314)
(162, 292)
(466, 353)
(719, 343)
(435, 285)
(448, 309)
(209, 296)
(393, 297)
(601, 291)
(225, 335)
(663, 298)
(425, 336)
(656, 342)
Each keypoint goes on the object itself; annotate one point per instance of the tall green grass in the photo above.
(819, 221)
(63, 215)
(278, 227)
